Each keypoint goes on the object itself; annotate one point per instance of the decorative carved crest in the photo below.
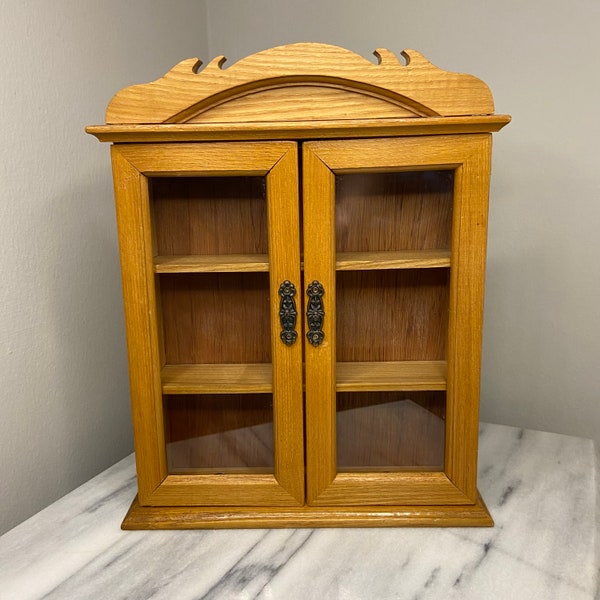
(300, 82)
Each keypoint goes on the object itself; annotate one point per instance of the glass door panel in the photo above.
(210, 215)
(393, 237)
(219, 433)
(216, 318)
(393, 211)
(392, 315)
(387, 413)
(229, 413)
(215, 311)
(390, 431)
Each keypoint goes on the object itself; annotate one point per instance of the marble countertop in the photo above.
(541, 489)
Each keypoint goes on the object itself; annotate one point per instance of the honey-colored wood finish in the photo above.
(179, 294)
(464, 156)
(297, 130)
(213, 263)
(470, 515)
(418, 88)
(304, 163)
(258, 377)
(390, 431)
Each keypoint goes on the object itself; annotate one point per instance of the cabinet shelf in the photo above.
(345, 261)
(404, 259)
(410, 375)
(211, 263)
(217, 379)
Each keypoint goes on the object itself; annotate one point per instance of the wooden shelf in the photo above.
(412, 375)
(217, 379)
(405, 376)
(409, 259)
(211, 263)
(345, 261)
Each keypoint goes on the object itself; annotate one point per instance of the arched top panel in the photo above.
(306, 81)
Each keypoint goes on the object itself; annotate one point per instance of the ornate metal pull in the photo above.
(287, 313)
(315, 314)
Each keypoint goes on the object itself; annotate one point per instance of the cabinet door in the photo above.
(208, 235)
(394, 232)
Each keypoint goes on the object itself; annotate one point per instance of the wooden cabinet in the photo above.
(302, 242)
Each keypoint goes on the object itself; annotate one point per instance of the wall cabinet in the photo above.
(302, 240)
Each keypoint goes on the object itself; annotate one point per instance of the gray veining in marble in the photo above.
(541, 489)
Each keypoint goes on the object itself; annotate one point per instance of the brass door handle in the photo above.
(287, 313)
(315, 313)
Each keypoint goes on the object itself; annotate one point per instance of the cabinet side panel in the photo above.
(135, 241)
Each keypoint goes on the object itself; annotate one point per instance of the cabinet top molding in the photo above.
(301, 82)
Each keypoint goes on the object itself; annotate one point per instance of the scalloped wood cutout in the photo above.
(300, 82)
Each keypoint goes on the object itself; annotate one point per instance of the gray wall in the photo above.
(64, 404)
(540, 58)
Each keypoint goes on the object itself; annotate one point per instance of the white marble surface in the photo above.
(541, 489)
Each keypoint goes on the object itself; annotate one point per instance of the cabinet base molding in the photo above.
(193, 517)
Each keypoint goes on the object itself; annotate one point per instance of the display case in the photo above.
(302, 240)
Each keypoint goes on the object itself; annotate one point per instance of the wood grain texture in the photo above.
(301, 102)
(226, 159)
(390, 376)
(345, 261)
(465, 328)
(379, 431)
(214, 263)
(403, 259)
(135, 242)
(392, 315)
(393, 211)
(471, 515)
(298, 130)
(365, 339)
(350, 376)
(210, 215)
(217, 378)
(190, 303)
(418, 87)
(216, 318)
(318, 192)
(390, 489)
(283, 207)
(224, 433)
(226, 489)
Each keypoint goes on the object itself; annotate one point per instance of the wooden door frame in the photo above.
(469, 157)
(133, 164)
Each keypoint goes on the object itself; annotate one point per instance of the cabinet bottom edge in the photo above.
(193, 517)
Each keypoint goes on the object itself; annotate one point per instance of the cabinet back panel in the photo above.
(376, 212)
(215, 318)
(229, 431)
(390, 430)
(209, 215)
(392, 315)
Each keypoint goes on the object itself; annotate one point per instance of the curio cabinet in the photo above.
(302, 238)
